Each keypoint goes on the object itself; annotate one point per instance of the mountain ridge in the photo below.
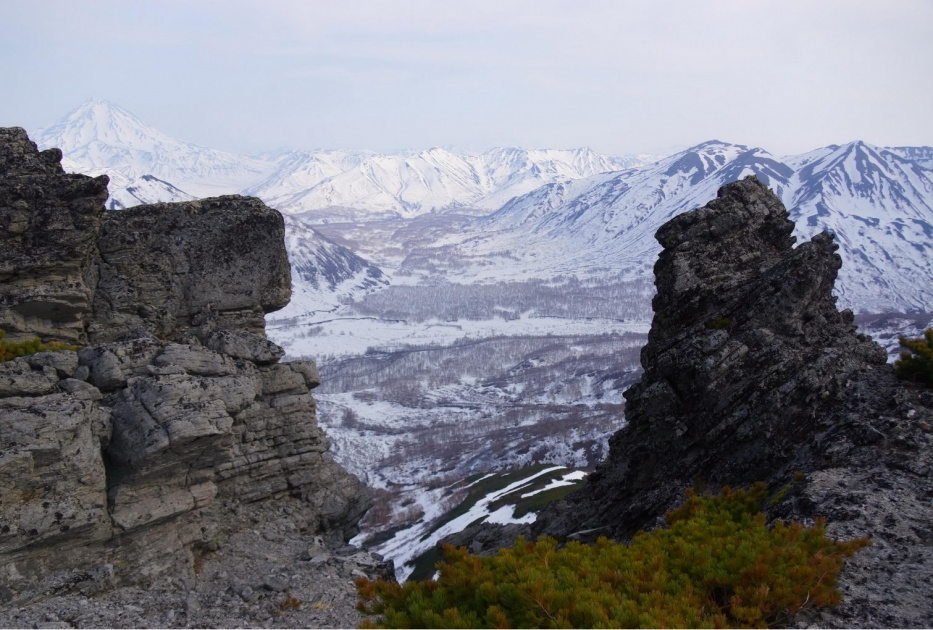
(546, 212)
(101, 136)
(879, 205)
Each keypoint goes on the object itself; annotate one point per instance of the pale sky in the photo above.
(618, 76)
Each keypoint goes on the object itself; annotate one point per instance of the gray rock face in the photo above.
(121, 462)
(69, 271)
(751, 374)
(171, 269)
(48, 226)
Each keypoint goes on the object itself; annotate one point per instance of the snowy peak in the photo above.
(99, 123)
(861, 179)
(726, 163)
(879, 205)
(101, 136)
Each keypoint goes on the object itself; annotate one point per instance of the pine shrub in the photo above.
(717, 565)
(916, 364)
(10, 350)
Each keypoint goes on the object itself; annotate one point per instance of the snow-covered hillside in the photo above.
(144, 190)
(323, 274)
(877, 203)
(880, 207)
(427, 181)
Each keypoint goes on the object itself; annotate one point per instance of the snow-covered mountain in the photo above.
(604, 225)
(102, 137)
(877, 203)
(880, 207)
(436, 179)
(143, 190)
(545, 212)
(323, 273)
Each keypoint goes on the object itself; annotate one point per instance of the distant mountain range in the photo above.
(101, 137)
(537, 213)
(878, 204)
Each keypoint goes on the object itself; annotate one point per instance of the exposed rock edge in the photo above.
(174, 431)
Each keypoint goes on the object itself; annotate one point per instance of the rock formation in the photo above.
(128, 460)
(48, 227)
(166, 269)
(751, 374)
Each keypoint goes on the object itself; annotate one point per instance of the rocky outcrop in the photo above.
(751, 374)
(123, 462)
(168, 269)
(72, 272)
(48, 229)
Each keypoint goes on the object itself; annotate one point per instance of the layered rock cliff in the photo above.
(130, 459)
(751, 374)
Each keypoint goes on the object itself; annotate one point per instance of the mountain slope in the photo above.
(323, 274)
(144, 190)
(877, 203)
(101, 135)
(408, 185)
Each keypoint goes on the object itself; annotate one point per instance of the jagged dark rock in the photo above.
(751, 374)
(177, 428)
(49, 222)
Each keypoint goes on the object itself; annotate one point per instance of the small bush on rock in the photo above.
(10, 350)
(717, 565)
(917, 363)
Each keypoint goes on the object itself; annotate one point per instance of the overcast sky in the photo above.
(617, 76)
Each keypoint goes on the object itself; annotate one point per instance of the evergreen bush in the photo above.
(718, 565)
(10, 350)
(916, 364)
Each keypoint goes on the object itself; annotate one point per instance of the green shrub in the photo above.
(917, 363)
(10, 350)
(717, 565)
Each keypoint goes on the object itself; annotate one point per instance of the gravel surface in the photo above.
(268, 575)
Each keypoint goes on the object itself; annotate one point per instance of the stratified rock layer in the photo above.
(124, 461)
(751, 374)
(48, 226)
